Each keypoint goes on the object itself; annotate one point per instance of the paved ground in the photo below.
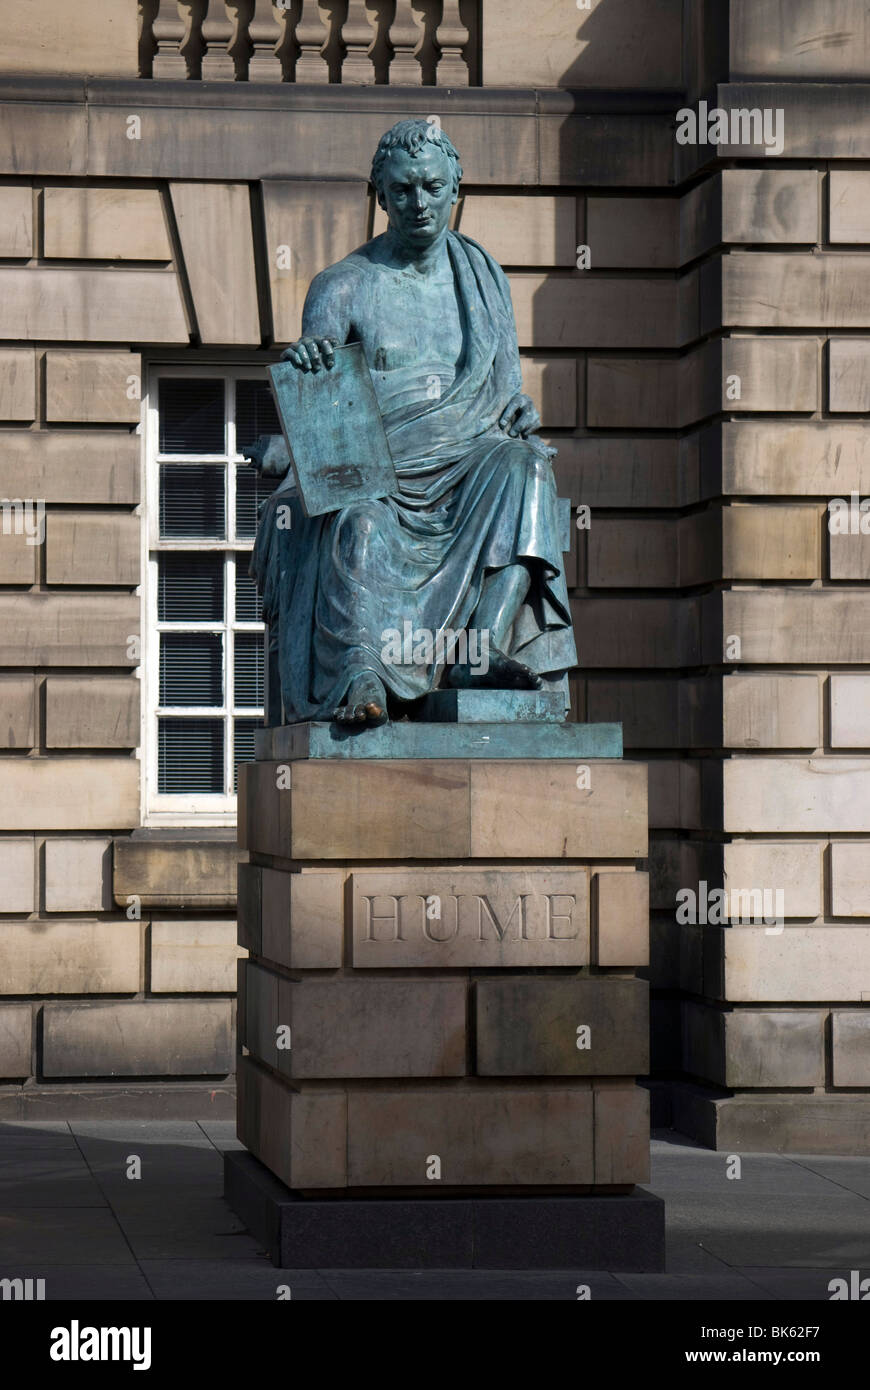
(70, 1214)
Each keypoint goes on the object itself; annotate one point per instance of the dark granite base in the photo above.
(617, 1233)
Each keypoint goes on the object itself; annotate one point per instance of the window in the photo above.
(204, 635)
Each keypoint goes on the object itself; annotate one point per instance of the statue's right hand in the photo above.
(310, 354)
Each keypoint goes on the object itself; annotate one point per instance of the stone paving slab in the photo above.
(781, 1231)
(476, 1285)
(61, 1180)
(247, 1278)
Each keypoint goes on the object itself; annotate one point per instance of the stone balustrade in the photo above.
(409, 43)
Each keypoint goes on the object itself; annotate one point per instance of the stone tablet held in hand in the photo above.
(335, 436)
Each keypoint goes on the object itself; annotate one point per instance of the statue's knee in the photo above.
(524, 462)
(359, 523)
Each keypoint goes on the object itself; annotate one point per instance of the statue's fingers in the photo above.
(302, 358)
(328, 349)
(314, 354)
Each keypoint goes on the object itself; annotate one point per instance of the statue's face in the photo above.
(418, 192)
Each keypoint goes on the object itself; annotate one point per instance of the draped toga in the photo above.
(471, 500)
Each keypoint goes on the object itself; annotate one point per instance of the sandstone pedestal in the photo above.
(440, 1019)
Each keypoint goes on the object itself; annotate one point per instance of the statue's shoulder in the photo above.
(478, 253)
(343, 278)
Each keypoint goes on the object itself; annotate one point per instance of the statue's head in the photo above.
(416, 174)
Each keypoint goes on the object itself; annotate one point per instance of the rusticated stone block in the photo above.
(801, 965)
(486, 1137)
(18, 391)
(796, 794)
(569, 311)
(849, 556)
(17, 711)
(16, 1026)
(18, 554)
(552, 384)
(77, 875)
(596, 1026)
(637, 233)
(850, 711)
(69, 793)
(214, 226)
(87, 305)
(344, 1028)
(620, 915)
(754, 1047)
(193, 957)
(92, 713)
(16, 221)
(98, 548)
(771, 711)
(795, 291)
(308, 226)
(80, 466)
(69, 629)
(196, 872)
(792, 866)
(300, 1136)
(797, 626)
(849, 375)
(105, 224)
(631, 553)
(522, 229)
(770, 205)
(17, 893)
(850, 878)
(850, 1046)
(444, 918)
(799, 458)
(806, 39)
(761, 542)
(157, 1037)
(90, 387)
(637, 632)
(621, 1113)
(849, 191)
(75, 957)
(772, 374)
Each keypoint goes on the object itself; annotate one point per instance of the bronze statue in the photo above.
(470, 542)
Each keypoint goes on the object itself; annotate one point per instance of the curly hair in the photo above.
(412, 135)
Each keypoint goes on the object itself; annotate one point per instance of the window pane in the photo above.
(251, 491)
(191, 668)
(243, 744)
(191, 755)
(255, 412)
(191, 415)
(190, 588)
(249, 606)
(249, 669)
(192, 501)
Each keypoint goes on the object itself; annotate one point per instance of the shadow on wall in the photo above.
(617, 44)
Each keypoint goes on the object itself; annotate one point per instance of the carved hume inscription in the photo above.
(459, 917)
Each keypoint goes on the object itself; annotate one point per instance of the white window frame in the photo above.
(191, 808)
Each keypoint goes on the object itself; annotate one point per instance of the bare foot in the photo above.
(503, 673)
(365, 701)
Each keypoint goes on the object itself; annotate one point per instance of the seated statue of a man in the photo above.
(470, 542)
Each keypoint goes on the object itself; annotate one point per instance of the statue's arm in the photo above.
(326, 322)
